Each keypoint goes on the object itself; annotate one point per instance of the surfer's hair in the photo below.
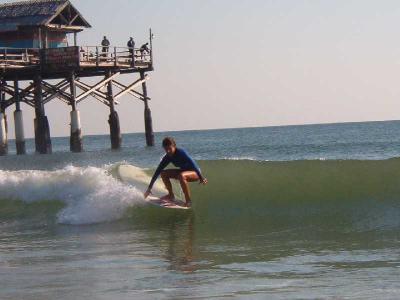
(168, 141)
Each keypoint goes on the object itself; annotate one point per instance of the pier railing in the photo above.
(19, 57)
(89, 56)
(118, 56)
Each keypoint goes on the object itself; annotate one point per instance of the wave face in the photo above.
(303, 181)
(362, 194)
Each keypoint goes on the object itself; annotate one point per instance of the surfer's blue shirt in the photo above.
(181, 160)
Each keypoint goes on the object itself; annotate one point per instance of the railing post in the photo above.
(115, 57)
(132, 51)
(97, 56)
(151, 48)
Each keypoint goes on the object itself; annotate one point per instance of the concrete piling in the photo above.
(41, 123)
(115, 131)
(19, 132)
(19, 122)
(148, 121)
(3, 134)
(3, 121)
(113, 121)
(76, 143)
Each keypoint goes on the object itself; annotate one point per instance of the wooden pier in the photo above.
(38, 74)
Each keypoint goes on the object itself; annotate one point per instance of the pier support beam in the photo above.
(115, 130)
(42, 128)
(76, 144)
(19, 122)
(3, 122)
(148, 121)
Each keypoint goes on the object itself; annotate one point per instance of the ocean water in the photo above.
(297, 212)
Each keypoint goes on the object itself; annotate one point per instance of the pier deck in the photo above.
(84, 61)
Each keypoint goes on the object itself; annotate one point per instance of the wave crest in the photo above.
(90, 195)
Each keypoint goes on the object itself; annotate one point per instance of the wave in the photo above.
(320, 192)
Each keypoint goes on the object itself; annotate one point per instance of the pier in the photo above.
(37, 66)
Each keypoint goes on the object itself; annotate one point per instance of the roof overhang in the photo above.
(59, 15)
(67, 16)
(67, 29)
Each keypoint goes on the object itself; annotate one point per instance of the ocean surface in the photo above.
(297, 212)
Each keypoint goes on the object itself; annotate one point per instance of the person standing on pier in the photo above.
(131, 46)
(106, 45)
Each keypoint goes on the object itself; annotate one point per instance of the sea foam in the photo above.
(91, 195)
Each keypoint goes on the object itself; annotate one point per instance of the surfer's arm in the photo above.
(163, 164)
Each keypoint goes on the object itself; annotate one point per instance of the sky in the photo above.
(231, 63)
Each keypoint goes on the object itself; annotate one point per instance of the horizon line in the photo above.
(231, 128)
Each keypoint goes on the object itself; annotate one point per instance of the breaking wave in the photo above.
(89, 195)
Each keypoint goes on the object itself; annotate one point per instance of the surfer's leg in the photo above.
(184, 179)
(166, 176)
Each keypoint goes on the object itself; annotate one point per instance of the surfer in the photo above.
(188, 171)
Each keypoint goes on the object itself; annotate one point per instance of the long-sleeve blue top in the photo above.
(180, 159)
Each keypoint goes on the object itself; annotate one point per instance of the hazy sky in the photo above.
(231, 63)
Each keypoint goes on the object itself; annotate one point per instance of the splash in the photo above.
(90, 195)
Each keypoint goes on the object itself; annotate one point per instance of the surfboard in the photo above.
(176, 204)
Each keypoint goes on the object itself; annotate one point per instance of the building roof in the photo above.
(34, 13)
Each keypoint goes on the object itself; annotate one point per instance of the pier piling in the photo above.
(3, 122)
(19, 122)
(115, 129)
(148, 121)
(19, 132)
(76, 144)
(42, 128)
(3, 134)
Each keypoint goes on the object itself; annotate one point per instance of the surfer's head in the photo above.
(169, 145)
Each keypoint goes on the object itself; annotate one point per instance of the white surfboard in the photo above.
(176, 204)
(137, 177)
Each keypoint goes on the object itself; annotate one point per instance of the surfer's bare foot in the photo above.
(188, 204)
(168, 197)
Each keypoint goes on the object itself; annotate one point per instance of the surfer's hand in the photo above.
(203, 181)
(147, 194)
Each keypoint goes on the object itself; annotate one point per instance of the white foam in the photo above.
(238, 158)
(90, 194)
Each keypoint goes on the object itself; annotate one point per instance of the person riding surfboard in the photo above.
(188, 171)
